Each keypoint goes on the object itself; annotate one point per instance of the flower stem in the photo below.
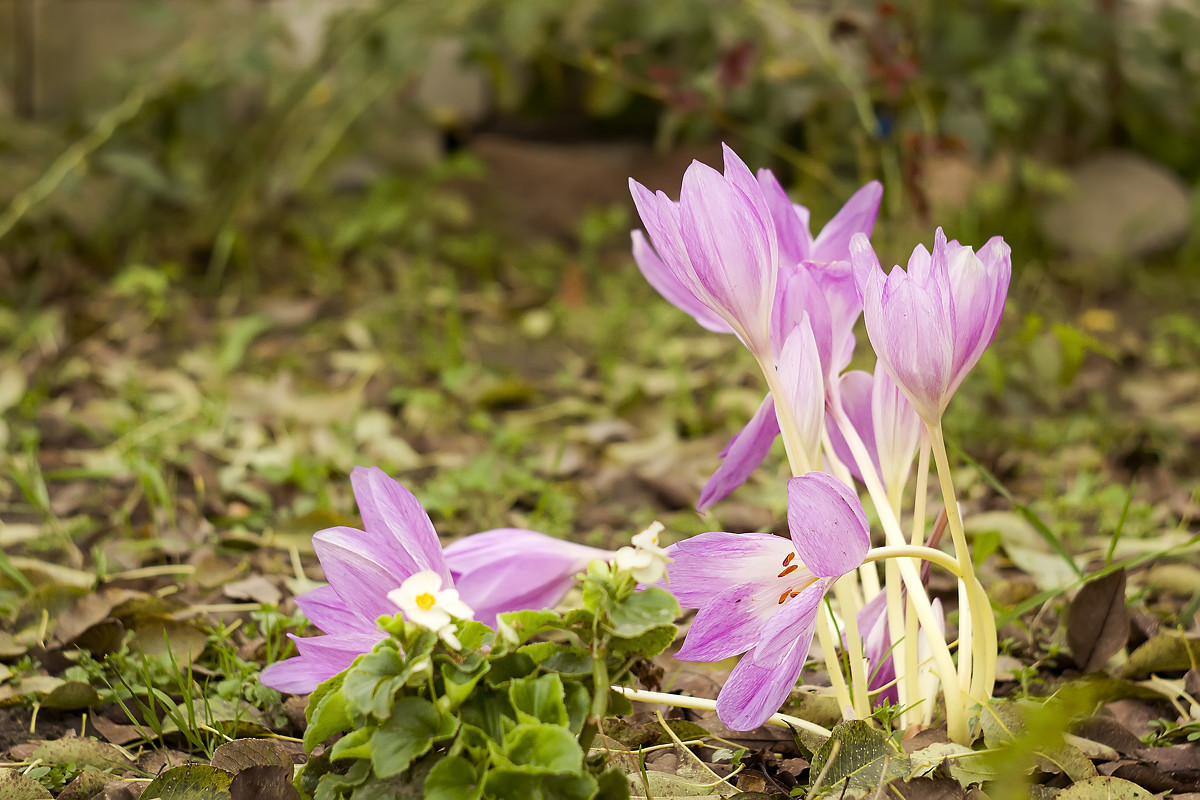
(982, 621)
(956, 721)
(702, 704)
(943, 560)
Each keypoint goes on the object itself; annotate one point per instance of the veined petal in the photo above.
(791, 221)
(732, 251)
(828, 524)
(404, 515)
(667, 283)
(897, 428)
(914, 342)
(794, 622)
(856, 216)
(511, 569)
(803, 383)
(324, 608)
(735, 620)
(743, 455)
(754, 691)
(321, 657)
(706, 565)
(836, 281)
(360, 579)
(855, 390)
(797, 294)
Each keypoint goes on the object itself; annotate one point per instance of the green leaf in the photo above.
(327, 712)
(413, 728)
(648, 645)
(453, 778)
(473, 634)
(459, 680)
(527, 624)
(355, 744)
(641, 611)
(543, 747)
(509, 783)
(858, 756)
(487, 710)
(539, 699)
(579, 702)
(190, 782)
(375, 679)
(561, 658)
(1100, 788)
(612, 785)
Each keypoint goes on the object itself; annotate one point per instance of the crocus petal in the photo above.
(321, 657)
(732, 251)
(755, 690)
(794, 621)
(511, 569)
(324, 608)
(855, 392)
(828, 524)
(791, 221)
(706, 565)
(735, 620)
(897, 429)
(669, 286)
(796, 295)
(836, 281)
(743, 455)
(856, 216)
(359, 579)
(388, 505)
(804, 387)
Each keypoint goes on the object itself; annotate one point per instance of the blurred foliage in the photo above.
(234, 149)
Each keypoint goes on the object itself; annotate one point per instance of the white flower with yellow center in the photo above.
(425, 603)
(646, 561)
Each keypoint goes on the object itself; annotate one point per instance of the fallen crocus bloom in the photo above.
(397, 542)
(759, 594)
(509, 569)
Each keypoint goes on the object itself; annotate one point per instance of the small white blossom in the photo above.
(425, 603)
(646, 561)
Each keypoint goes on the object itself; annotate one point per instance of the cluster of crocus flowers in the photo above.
(736, 254)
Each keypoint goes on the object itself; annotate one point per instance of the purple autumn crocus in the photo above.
(929, 324)
(398, 541)
(815, 282)
(884, 420)
(759, 594)
(714, 252)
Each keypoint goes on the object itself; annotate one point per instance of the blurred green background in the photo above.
(245, 245)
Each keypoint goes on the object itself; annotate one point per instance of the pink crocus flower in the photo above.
(815, 280)
(930, 324)
(398, 541)
(877, 644)
(759, 594)
(715, 254)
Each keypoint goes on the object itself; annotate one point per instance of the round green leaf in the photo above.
(411, 731)
(190, 782)
(453, 778)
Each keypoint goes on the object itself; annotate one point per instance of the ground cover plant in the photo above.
(477, 419)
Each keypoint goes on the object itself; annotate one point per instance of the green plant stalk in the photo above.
(982, 620)
(845, 590)
(956, 708)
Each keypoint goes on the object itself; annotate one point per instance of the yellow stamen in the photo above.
(425, 601)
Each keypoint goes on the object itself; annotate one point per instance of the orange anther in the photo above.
(789, 558)
(789, 570)
(783, 597)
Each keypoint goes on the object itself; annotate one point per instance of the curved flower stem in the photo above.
(983, 622)
(956, 721)
(701, 704)
(943, 560)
